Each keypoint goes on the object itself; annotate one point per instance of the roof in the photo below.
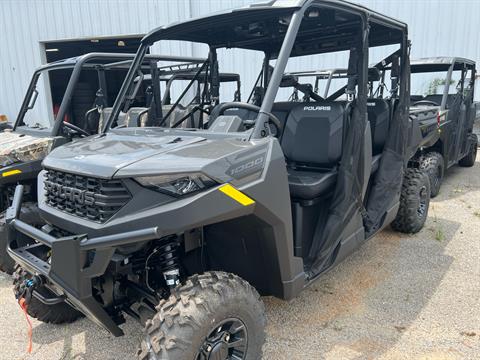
(440, 63)
(262, 26)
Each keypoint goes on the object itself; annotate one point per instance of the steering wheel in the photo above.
(76, 129)
(425, 102)
(241, 105)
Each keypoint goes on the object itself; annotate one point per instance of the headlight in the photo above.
(177, 184)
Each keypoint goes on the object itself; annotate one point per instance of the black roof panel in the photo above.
(440, 63)
(262, 26)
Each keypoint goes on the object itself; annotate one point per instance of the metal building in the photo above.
(29, 27)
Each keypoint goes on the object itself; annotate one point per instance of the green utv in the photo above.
(79, 91)
(182, 229)
(449, 94)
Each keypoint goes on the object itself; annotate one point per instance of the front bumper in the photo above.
(74, 261)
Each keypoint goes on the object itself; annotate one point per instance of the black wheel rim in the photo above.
(226, 341)
(422, 206)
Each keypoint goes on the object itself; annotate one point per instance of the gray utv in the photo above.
(182, 229)
(77, 92)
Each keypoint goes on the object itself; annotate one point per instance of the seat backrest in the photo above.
(313, 134)
(177, 114)
(435, 98)
(105, 114)
(452, 99)
(136, 116)
(379, 117)
(194, 119)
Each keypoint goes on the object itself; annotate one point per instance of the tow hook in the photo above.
(24, 300)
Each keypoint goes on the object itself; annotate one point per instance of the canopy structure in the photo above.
(328, 26)
(434, 64)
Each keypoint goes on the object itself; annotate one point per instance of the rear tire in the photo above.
(414, 202)
(30, 215)
(433, 164)
(469, 159)
(61, 313)
(210, 313)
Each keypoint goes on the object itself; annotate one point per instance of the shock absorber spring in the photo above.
(169, 262)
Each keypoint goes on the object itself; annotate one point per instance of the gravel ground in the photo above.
(398, 297)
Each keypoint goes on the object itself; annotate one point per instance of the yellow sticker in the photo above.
(236, 195)
(11, 172)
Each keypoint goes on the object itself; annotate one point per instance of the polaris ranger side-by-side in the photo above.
(85, 87)
(449, 94)
(183, 228)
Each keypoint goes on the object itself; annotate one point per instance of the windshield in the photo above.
(434, 83)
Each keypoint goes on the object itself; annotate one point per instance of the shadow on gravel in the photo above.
(457, 182)
(84, 340)
(361, 309)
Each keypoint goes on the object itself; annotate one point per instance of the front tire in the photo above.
(214, 315)
(61, 313)
(433, 164)
(414, 202)
(469, 159)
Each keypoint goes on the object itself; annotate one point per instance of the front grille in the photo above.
(86, 197)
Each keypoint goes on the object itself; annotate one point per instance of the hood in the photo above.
(16, 147)
(103, 156)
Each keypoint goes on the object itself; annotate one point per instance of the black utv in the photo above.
(183, 228)
(448, 85)
(80, 93)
